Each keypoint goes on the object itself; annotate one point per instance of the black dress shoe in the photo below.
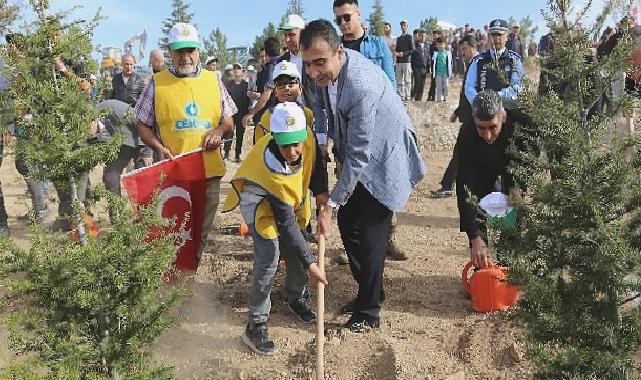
(350, 307)
(359, 323)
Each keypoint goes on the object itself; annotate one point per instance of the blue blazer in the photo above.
(373, 135)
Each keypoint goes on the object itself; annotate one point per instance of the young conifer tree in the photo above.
(576, 250)
(54, 118)
(90, 310)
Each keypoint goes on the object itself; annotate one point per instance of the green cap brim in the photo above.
(286, 27)
(184, 44)
(287, 138)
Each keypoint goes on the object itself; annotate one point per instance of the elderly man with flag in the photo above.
(192, 110)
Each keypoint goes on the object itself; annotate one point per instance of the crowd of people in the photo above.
(325, 96)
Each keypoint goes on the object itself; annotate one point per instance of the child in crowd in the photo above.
(441, 69)
(287, 88)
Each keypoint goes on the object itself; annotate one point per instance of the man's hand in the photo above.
(212, 140)
(147, 161)
(324, 221)
(164, 153)
(246, 119)
(321, 200)
(453, 118)
(315, 275)
(515, 196)
(479, 254)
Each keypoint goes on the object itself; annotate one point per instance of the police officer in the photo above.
(497, 69)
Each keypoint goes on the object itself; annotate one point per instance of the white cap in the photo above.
(92, 77)
(288, 124)
(293, 22)
(183, 35)
(286, 68)
(229, 66)
(210, 59)
(251, 68)
(404, 21)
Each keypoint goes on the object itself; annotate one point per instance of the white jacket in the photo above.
(449, 63)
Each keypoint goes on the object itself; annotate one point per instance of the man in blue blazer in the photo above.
(376, 146)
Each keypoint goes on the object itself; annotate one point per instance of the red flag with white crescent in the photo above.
(181, 189)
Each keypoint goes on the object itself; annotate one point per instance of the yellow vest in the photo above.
(292, 189)
(263, 129)
(186, 110)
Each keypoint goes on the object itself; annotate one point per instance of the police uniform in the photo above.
(483, 74)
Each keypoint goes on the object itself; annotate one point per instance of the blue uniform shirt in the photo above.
(507, 92)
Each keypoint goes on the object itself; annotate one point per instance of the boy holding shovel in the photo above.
(272, 188)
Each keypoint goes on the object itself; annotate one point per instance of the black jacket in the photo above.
(238, 93)
(480, 165)
(464, 109)
(127, 93)
(405, 45)
(421, 58)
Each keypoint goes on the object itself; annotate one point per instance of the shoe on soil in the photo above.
(257, 338)
(350, 307)
(303, 312)
(359, 324)
(310, 237)
(394, 252)
(442, 193)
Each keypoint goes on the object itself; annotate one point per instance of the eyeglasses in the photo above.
(347, 17)
(286, 82)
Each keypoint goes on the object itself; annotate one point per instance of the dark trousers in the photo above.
(364, 224)
(432, 94)
(113, 169)
(449, 177)
(419, 83)
(3, 211)
(240, 132)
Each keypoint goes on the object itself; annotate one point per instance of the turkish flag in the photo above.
(181, 188)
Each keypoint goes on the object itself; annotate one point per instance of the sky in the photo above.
(242, 20)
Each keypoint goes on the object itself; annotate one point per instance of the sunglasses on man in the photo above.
(347, 17)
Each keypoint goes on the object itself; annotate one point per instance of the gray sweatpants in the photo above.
(404, 80)
(441, 87)
(266, 253)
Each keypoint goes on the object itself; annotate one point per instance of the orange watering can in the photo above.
(489, 289)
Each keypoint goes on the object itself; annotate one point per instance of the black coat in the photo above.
(127, 93)
(480, 165)
(421, 58)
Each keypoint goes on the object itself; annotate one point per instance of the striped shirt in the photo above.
(145, 106)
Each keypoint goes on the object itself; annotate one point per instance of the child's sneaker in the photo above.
(257, 339)
(302, 311)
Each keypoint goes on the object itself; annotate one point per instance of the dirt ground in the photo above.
(428, 329)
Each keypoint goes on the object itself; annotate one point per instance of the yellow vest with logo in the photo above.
(186, 110)
(263, 129)
(292, 189)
